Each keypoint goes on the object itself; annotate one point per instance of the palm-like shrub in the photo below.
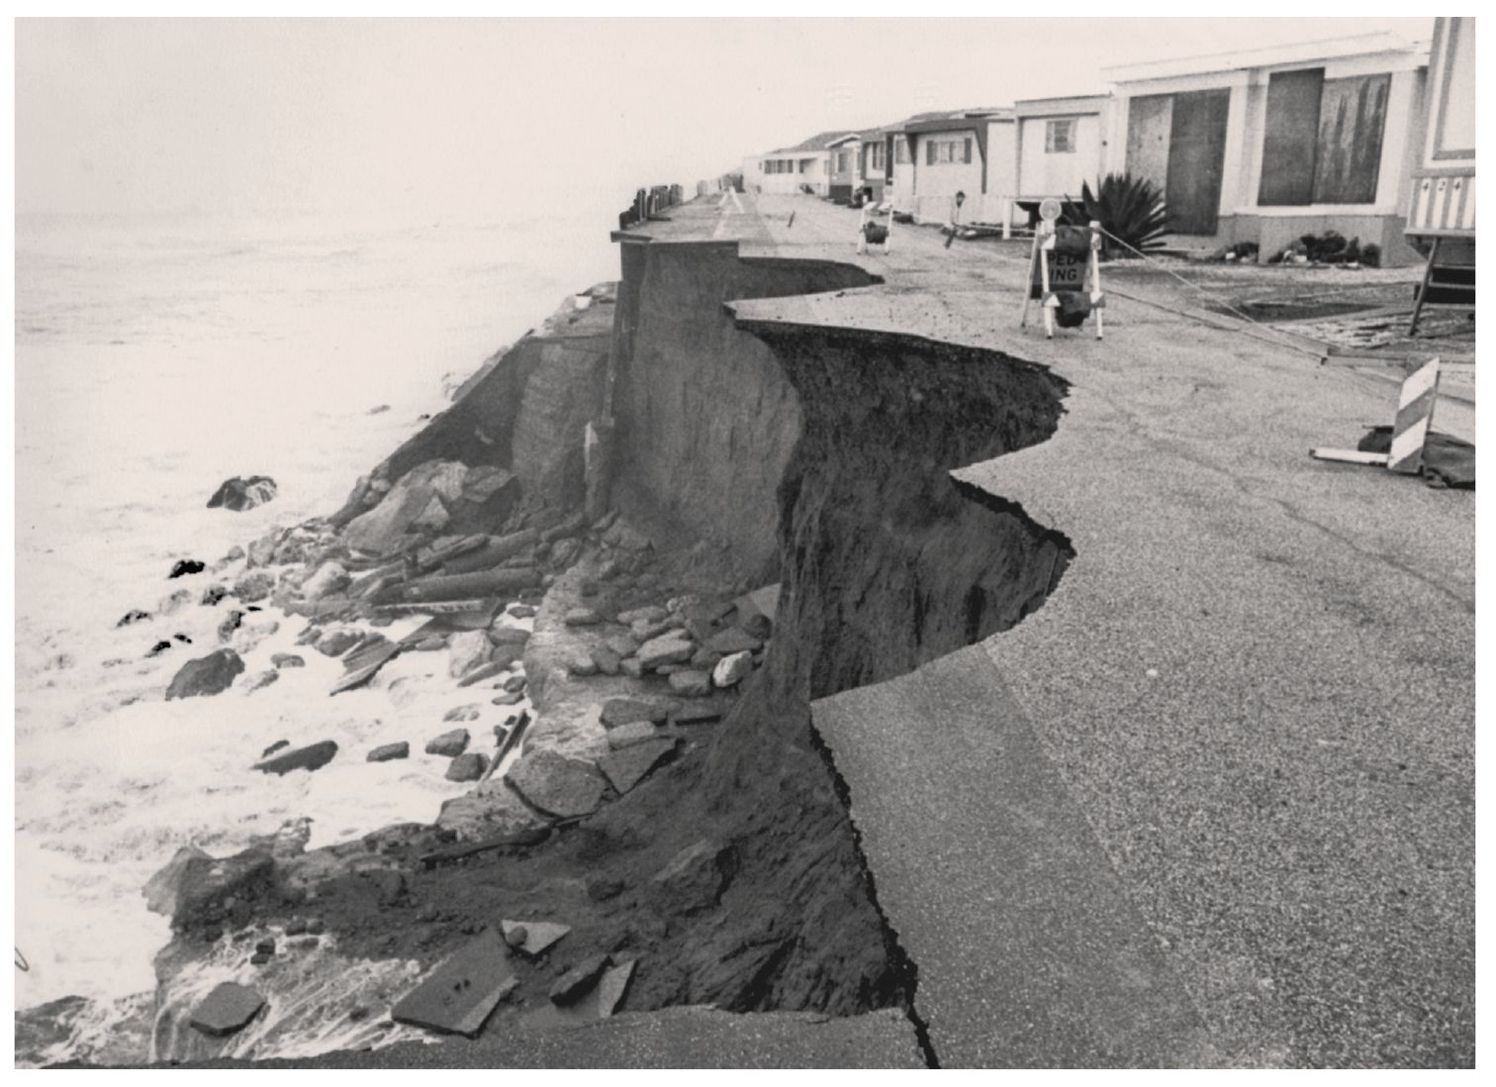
(1128, 208)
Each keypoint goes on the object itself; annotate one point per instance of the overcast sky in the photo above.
(416, 116)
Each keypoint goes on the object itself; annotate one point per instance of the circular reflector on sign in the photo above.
(1049, 209)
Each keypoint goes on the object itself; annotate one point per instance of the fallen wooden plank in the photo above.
(363, 665)
(436, 607)
(1350, 456)
(447, 587)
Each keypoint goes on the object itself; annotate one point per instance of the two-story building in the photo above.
(1266, 145)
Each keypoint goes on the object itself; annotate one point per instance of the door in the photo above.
(1197, 157)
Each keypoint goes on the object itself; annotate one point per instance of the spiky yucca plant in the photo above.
(1128, 208)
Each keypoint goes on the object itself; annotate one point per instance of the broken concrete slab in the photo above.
(469, 766)
(623, 711)
(459, 995)
(696, 876)
(206, 675)
(227, 1010)
(533, 937)
(556, 785)
(579, 980)
(364, 663)
(628, 766)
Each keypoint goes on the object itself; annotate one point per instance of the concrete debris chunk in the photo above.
(460, 994)
(623, 711)
(579, 980)
(732, 670)
(671, 648)
(733, 640)
(556, 785)
(533, 937)
(388, 752)
(227, 1010)
(582, 617)
(691, 683)
(206, 675)
(470, 712)
(626, 767)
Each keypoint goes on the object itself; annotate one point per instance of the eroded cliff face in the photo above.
(705, 420)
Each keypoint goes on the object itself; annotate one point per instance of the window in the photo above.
(875, 157)
(941, 152)
(1059, 136)
(901, 150)
(1322, 140)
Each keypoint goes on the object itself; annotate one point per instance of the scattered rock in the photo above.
(337, 642)
(313, 757)
(691, 684)
(645, 629)
(206, 675)
(602, 888)
(175, 602)
(732, 670)
(287, 660)
(470, 712)
(556, 785)
(449, 744)
(635, 732)
(229, 624)
(522, 611)
(159, 648)
(261, 679)
(389, 752)
(627, 767)
(483, 671)
(622, 711)
(265, 947)
(273, 748)
(699, 713)
(533, 937)
(467, 767)
(162, 889)
(239, 494)
(606, 661)
(330, 577)
(256, 586)
(213, 594)
(653, 613)
(704, 660)
(579, 980)
(631, 667)
(508, 636)
(564, 552)
(672, 648)
(582, 664)
(227, 1010)
(625, 645)
(134, 615)
(469, 650)
(183, 567)
(582, 617)
(508, 698)
(732, 640)
(515, 683)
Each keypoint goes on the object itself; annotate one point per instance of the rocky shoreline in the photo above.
(590, 674)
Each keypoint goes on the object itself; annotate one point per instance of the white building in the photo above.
(938, 155)
(791, 169)
(1061, 146)
(1269, 144)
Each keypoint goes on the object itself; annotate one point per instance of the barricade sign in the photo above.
(1410, 426)
(1064, 272)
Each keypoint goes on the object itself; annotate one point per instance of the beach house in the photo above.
(968, 151)
(792, 169)
(1266, 145)
(1060, 145)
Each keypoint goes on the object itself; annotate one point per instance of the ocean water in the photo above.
(156, 357)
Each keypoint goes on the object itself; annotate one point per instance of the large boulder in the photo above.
(312, 757)
(418, 500)
(732, 670)
(330, 577)
(162, 890)
(449, 744)
(206, 675)
(240, 494)
(556, 785)
(227, 1010)
(469, 766)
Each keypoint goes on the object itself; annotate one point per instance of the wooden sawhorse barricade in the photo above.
(1064, 272)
